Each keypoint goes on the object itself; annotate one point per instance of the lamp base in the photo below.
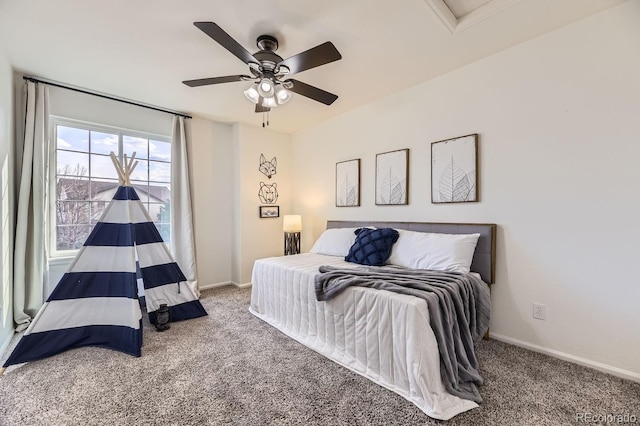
(291, 243)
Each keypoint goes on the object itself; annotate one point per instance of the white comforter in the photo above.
(381, 335)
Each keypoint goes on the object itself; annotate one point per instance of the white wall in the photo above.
(93, 109)
(558, 119)
(6, 205)
(255, 238)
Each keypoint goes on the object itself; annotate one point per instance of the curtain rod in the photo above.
(100, 95)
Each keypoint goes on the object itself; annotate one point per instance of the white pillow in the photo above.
(440, 252)
(335, 242)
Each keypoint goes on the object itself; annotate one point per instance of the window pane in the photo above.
(159, 150)
(159, 212)
(72, 139)
(165, 232)
(72, 163)
(159, 192)
(141, 172)
(71, 237)
(104, 143)
(142, 189)
(137, 145)
(72, 212)
(159, 172)
(103, 189)
(102, 167)
(71, 189)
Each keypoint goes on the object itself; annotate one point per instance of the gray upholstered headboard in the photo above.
(484, 258)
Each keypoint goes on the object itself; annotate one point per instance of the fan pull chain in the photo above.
(265, 114)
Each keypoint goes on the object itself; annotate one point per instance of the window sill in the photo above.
(61, 260)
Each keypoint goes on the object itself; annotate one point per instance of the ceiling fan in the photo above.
(269, 70)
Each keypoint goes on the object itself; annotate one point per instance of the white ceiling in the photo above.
(459, 8)
(142, 49)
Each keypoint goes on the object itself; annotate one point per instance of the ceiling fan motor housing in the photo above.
(268, 59)
(267, 42)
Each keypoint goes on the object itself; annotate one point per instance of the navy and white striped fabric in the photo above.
(96, 301)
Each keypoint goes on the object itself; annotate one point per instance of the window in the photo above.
(86, 180)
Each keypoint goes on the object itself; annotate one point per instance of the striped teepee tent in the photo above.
(96, 301)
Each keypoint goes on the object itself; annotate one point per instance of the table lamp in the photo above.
(292, 226)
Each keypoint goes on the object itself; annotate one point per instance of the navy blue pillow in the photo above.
(372, 246)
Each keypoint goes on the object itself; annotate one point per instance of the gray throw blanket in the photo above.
(459, 306)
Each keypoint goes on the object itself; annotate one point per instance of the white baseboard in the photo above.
(214, 285)
(614, 371)
(222, 284)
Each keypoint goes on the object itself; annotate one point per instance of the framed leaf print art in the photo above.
(454, 170)
(348, 183)
(392, 178)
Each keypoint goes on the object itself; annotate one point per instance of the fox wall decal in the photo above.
(267, 168)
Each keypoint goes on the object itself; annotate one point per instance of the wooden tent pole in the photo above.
(125, 168)
(116, 164)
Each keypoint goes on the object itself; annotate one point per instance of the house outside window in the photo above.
(85, 179)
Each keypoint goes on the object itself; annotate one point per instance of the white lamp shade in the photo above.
(265, 88)
(282, 94)
(292, 223)
(252, 93)
(269, 102)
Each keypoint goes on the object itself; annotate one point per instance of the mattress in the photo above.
(380, 335)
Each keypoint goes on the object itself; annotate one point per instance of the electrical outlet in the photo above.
(540, 311)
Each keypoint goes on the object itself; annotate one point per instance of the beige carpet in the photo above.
(232, 368)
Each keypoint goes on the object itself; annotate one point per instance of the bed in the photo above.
(383, 336)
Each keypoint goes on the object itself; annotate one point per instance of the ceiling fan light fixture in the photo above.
(282, 94)
(265, 88)
(252, 93)
(269, 102)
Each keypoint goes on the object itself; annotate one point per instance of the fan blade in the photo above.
(314, 57)
(226, 41)
(312, 92)
(215, 80)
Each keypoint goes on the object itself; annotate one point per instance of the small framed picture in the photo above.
(269, 211)
(348, 183)
(392, 178)
(454, 170)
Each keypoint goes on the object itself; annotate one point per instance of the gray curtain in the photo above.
(182, 243)
(30, 266)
